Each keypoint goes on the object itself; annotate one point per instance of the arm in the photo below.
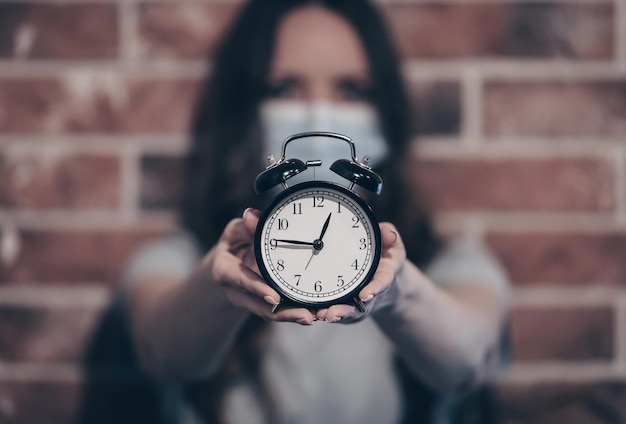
(182, 328)
(449, 335)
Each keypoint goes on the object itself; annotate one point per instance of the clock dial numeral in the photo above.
(340, 281)
(283, 224)
(273, 244)
(297, 208)
(297, 277)
(363, 244)
(355, 264)
(338, 207)
(280, 265)
(318, 201)
(355, 222)
(318, 286)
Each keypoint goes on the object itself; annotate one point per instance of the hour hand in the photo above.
(325, 227)
(299, 242)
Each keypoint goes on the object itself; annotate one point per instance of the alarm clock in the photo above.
(318, 242)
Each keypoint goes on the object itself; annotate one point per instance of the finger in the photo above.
(383, 277)
(389, 235)
(301, 316)
(229, 271)
(251, 303)
(321, 314)
(235, 235)
(249, 260)
(340, 312)
(251, 219)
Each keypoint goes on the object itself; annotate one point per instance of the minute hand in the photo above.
(305, 243)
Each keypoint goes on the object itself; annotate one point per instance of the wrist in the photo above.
(391, 298)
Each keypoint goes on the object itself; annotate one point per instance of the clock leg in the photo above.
(359, 304)
(277, 307)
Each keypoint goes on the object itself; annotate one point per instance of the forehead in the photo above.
(315, 40)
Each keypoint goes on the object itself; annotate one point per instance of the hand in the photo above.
(298, 242)
(231, 264)
(378, 292)
(317, 244)
(325, 227)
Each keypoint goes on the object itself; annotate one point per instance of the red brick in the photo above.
(562, 333)
(160, 105)
(93, 256)
(39, 402)
(161, 182)
(561, 258)
(96, 102)
(58, 31)
(54, 181)
(183, 30)
(436, 108)
(541, 30)
(44, 334)
(555, 108)
(95, 401)
(549, 403)
(575, 184)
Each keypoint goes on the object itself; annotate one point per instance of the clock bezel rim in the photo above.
(280, 197)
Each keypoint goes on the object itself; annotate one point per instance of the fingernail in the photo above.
(368, 298)
(246, 212)
(336, 319)
(303, 321)
(395, 236)
(270, 300)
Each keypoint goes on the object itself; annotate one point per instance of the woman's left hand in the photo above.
(380, 291)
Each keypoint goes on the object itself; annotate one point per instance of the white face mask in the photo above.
(282, 118)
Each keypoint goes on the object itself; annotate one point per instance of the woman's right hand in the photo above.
(231, 265)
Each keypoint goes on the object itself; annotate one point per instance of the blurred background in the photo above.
(520, 140)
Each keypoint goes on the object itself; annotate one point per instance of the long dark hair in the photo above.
(226, 152)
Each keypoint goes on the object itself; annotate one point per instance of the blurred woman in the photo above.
(200, 314)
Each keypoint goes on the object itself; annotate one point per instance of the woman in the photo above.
(193, 300)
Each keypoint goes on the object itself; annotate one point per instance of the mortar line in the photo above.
(471, 108)
(72, 220)
(128, 28)
(56, 295)
(130, 190)
(620, 334)
(24, 372)
(559, 372)
(620, 185)
(167, 144)
(547, 297)
(418, 70)
(432, 149)
(620, 34)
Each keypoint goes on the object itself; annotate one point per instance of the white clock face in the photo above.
(318, 244)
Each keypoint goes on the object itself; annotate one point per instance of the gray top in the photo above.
(311, 370)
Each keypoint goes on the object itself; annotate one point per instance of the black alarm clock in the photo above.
(318, 242)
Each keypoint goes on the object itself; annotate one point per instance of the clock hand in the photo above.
(312, 254)
(325, 227)
(305, 243)
(318, 244)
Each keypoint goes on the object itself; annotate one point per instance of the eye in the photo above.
(354, 90)
(284, 88)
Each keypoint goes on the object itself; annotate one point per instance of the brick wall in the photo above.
(520, 107)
